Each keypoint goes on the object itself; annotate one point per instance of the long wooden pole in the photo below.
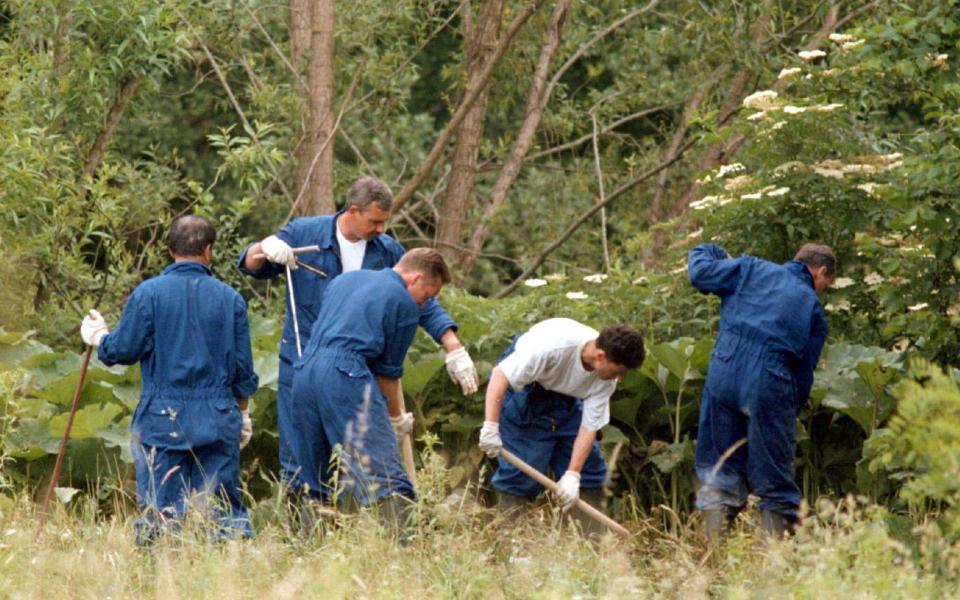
(406, 442)
(55, 477)
(553, 487)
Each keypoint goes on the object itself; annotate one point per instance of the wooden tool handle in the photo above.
(553, 487)
(406, 449)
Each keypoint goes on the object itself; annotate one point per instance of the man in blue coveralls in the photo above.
(189, 332)
(554, 385)
(772, 329)
(349, 240)
(346, 387)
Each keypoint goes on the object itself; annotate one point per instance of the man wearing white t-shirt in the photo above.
(554, 385)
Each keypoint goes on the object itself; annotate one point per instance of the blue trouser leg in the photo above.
(540, 427)
(354, 415)
(216, 475)
(748, 394)
(307, 442)
(286, 423)
(771, 436)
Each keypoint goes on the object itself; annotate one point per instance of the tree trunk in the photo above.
(537, 100)
(315, 166)
(299, 31)
(480, 43)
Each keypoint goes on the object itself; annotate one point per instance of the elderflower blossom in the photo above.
(824, 107)
(852, 45)
(761, 100)
(753, 196)
(916, 307)
(873, 279)
(595, 278)
(777, 125)
(695, 234)
(679, 270)
(757, 116)
(738, 182)
(534, 283)
(778, 192)
(809, 55)
(842, 282)
(640, 281)
(794, 110)
(555, 277)
(938, 60)
(708, 201)
(728, 169)
(577, 296)
(839, 305)
(841, 37)
(788, 73)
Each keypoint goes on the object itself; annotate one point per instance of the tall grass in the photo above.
(850, 549)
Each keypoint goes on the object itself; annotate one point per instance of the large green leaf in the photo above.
(16, 347)
(417, 374)
(87, 421)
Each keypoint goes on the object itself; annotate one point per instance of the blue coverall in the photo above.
(539, 426)
(189, 332)
(772, 330)
(364, 329)
(382, 252)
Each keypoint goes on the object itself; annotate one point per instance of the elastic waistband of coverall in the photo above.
(191, 393)
(756, 346)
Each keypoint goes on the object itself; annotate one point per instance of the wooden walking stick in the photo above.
(553, 487)
(406, 443)
(55, 477)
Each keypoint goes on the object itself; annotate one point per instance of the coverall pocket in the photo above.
(160, 422)
(352, 367)
(724, 348)
(228, 414)
(782, 385)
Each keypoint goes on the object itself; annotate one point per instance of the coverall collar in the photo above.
(328, 235)
(800, 270)
(187, 266)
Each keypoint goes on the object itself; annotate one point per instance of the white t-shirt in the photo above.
(549, 354)
(351, 253)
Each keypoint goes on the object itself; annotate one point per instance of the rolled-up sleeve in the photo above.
(245, 381)
(133, 337)
(400, 324)
(711, 271)
(435, 320)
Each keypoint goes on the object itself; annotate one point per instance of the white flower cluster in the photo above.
(809, 55)
(842, 282)
(595, 278)
(728, 169)
(577, 296)
(534, 283)
(709, 201)
(873, 279)
(848, 46)
(938, 60)
(762, 100)
(838, 306)
(841, 38)
(916, 307)
(788, 73)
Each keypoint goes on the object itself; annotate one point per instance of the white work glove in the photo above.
(490, 441)
(402, 424)
(278, 251)
(93, 328)
(462, 371)
(568, 490)
(246, 430)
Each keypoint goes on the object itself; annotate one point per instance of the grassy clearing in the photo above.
(846, 551)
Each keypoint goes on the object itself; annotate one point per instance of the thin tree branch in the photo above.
(434, 155)
(603, 212)
(99, 148)
(584, 48)
(569, 231)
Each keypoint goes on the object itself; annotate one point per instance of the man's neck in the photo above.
(343, 226)
(588, 355)
(197, 259)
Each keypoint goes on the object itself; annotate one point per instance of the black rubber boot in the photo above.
(717, 523)
(589, 526)
(775, 525)
(395, 513)
(510, 506)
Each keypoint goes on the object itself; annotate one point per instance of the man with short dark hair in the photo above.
(554, 385)
(189, 332)
(349, 240)
(772, 330)
(346, 387)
